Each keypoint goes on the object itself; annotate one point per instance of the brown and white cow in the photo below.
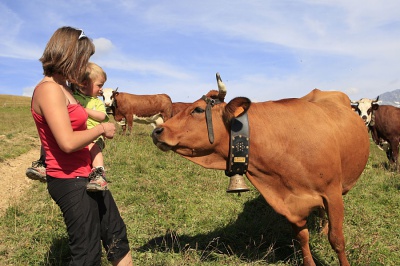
(149, 109)
(384, 125)
(301, 157)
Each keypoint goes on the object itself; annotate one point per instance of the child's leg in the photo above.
(97, 177)
(42, 154)
(97, 155)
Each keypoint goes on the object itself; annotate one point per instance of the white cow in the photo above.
(364, 108)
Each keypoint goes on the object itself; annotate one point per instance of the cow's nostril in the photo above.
(158, 131)
(155, 134)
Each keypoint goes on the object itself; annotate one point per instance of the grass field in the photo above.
(178, 213)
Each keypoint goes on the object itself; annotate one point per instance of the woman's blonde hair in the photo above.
(67, 53)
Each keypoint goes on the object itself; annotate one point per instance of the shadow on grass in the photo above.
(58, 253)
(258, 234)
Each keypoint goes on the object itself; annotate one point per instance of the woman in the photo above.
(91, 218)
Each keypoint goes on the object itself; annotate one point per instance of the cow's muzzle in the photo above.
(155, 135)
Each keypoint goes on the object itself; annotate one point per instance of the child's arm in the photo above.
(98, 116)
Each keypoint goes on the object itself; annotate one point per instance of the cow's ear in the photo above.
(354, 105)
(375, 106)
(236, 107)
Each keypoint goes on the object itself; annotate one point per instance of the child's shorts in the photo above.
(101, 143)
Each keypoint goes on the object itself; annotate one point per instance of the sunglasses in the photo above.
(82, 35)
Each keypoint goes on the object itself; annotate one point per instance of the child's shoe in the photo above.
(97, 180)
(37, 171)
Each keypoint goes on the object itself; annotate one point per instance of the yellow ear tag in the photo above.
(238, 111)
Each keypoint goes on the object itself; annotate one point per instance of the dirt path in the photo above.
(13, 180)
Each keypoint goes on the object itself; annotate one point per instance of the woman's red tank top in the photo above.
(61, 164)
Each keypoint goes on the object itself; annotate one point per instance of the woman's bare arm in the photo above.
(50, 100)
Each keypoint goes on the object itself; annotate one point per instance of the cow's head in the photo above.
(364, 107)
(187, 133)
(108, 99)
(108, 96)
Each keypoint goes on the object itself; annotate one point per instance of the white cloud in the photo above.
(28, 91)
(145, 67)
(352, 91)
(103, 46)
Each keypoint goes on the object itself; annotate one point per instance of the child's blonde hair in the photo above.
(94, 71)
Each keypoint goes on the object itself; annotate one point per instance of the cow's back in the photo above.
(328, 98)
(351, 131)
(318, 133)
(144, 105)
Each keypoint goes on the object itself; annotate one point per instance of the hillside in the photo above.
(390, 98)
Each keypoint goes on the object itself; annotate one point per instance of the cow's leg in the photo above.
(394, 146)
(389, 155)
(122, 122)
(323, 224)
(335, 210)
(302, 235)
(129, 121)
(395, 153)
(392, 154)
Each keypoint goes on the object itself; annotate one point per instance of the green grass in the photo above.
(18, 133)
(178, 213)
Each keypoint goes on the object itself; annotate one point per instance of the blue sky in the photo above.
(263, 49)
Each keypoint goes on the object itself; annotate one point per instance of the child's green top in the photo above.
(93, 103)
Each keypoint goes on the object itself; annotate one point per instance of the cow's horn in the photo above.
(354, 104)
(221, 87)
(116, 89)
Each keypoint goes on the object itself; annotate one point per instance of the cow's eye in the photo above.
(198, 110)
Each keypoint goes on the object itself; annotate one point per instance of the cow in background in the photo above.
(384, 124)
(386, 128)
(364, 108)
(300, 158)
(178, 107)
(148, 109)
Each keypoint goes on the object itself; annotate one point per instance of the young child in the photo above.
(93, 82)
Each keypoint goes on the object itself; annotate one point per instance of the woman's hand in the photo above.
(109, 130)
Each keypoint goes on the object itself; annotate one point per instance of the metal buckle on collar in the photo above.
(210, 103)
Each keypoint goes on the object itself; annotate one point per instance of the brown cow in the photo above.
(384, 124)
(301, 156)
(149, 109)
(385, 127)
